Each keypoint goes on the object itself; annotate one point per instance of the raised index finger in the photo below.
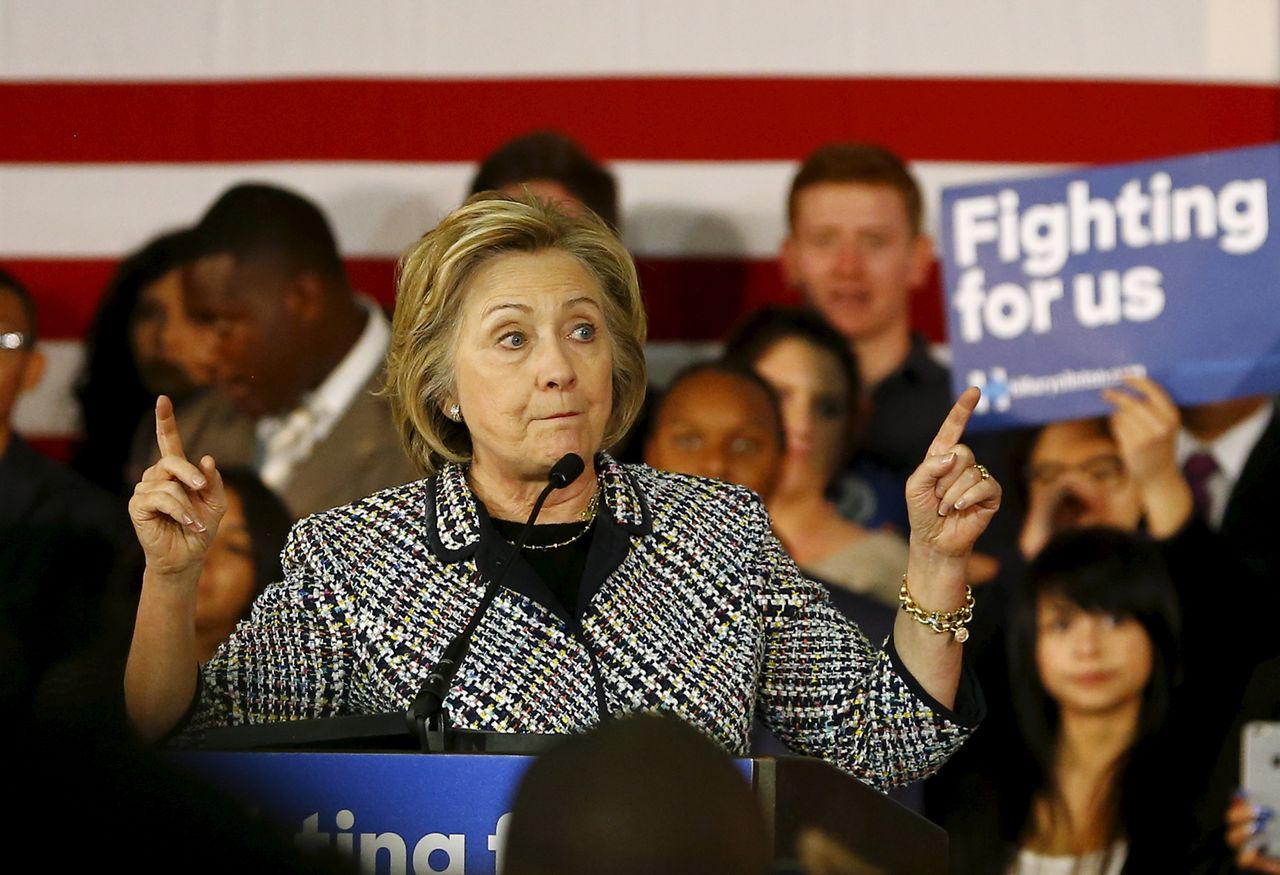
(953, 426)
(167, 437)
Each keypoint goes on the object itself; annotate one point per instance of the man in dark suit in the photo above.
(64, 543)
(300, 356)
(1230, 454)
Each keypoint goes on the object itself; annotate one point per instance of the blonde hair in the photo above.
(431, 283)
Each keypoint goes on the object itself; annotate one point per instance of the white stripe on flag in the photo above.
(670, 208)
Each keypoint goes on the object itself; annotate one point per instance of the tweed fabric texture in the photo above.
(703, 616)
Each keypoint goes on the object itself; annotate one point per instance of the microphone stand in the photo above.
(426, 716)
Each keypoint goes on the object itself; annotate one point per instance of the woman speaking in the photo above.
(518, 338)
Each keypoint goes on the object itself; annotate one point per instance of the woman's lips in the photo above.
(1093, 678)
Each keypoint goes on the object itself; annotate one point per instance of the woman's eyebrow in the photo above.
(580, 299)
(505, 305)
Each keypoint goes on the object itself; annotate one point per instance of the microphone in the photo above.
(429, 703)
(565, 471)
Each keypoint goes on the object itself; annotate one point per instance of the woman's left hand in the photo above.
(950, 498)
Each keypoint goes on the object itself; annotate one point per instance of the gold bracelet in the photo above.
(950, 621)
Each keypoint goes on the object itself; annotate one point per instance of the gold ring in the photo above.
(982, 469)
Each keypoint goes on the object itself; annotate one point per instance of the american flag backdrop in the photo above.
(122, 119)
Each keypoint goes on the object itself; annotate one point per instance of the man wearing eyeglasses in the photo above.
(21, 364)
(1120, 472)
(64, 543)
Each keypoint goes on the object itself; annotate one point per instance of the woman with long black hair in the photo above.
(1093, 786)
(141, 344)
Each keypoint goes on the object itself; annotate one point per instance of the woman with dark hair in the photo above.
(816, 377)
(1093, 660)
(141, 344)
(242, 559)
(720, 421)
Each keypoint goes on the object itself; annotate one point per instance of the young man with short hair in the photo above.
(856, 250)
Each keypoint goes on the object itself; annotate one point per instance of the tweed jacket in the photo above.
(688, 605)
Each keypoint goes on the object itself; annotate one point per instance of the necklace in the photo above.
(588, 516)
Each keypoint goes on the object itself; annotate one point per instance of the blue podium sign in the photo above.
(392, 813)
(1060, 286)
(401, 814)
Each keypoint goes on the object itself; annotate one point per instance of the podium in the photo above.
(357, 787)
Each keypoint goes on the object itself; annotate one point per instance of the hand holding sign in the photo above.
(951, 498)
(1060, 286)
(177, 506)
(1145, 428)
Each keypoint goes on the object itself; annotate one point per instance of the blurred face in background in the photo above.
(1076, 478)
(227, 583)
(174, 354)
(815, 411)
(21, 366)
(853, 252)
(713, 424)
(1090, 662)
(259, 315)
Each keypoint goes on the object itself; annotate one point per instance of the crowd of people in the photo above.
(1086, 606)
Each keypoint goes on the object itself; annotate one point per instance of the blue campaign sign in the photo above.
(407, 814)
(393, 813)
(1060, 286)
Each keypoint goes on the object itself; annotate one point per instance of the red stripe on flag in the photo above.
(629, 118)
(687, 298)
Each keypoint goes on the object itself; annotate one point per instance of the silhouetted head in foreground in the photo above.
(640, 795)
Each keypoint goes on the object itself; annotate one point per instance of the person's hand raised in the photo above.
(1145, 427)
(950, 498)
(177, 506)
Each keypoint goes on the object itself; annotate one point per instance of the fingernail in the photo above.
(943, 510)
(198, 526)
(950, 457)
(959, 504)
(1266, 812)
(199, 481)
(188, 520)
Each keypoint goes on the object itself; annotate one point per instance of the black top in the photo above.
(560, 568)
(65, 547)
(908, 407)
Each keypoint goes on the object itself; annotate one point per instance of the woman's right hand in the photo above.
(177, 506)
